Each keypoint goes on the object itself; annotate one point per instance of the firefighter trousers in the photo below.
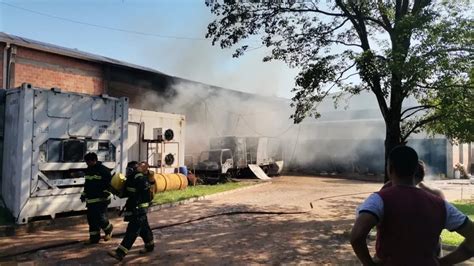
(137, 226)
(97, 219)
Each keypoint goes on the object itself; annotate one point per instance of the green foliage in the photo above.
(453, 238)
(196, 191)
(454, 112)
(397, 49)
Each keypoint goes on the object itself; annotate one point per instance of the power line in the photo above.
(105, 27)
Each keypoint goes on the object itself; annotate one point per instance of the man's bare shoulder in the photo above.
(432, 190)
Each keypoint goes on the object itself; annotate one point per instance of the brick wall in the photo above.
(47, 70)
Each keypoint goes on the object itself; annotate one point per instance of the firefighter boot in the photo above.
(119, 253)
(148, 248)
(94, 238)
(108, 232)
(116, 255)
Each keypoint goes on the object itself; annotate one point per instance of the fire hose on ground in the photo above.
(73, 242)
(338, 196)
(159, 227)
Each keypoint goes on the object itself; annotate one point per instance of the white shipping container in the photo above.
(47, 133)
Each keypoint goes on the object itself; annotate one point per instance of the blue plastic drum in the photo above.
(182, 170)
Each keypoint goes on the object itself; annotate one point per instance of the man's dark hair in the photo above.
(420, 172)
(91, 156)
(132, 164)
(403, 161)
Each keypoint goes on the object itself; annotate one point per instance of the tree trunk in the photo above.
(392, 139)
(392, 121)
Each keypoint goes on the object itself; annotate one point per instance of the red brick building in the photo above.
(46, 66)
(30, 62)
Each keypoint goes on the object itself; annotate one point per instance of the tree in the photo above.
(455, 109)
(394, 48)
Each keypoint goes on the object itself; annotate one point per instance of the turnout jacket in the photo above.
(97, 184)
(137, 191)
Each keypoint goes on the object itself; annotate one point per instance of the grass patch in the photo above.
(453, 238)
(196, 191)
(165, 197)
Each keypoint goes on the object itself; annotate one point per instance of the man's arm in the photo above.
(363, 224)
(466, 250)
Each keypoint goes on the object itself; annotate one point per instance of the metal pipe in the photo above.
(6, 64)
(141, 132)
(10, 74)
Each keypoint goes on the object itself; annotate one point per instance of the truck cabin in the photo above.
(217, 156)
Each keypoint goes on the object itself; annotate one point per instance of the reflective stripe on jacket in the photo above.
(97, 182)
(137, 189)
(95, 200)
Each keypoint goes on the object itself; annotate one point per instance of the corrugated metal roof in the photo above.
(20, 41)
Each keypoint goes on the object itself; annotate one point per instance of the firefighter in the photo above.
(97, 198)
(137, 189)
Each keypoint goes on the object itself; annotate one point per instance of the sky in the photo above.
(174, 44)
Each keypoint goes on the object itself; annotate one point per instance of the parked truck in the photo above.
(233, 156)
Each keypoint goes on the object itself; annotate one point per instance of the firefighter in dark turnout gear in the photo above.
(137, 189)
(97, 198)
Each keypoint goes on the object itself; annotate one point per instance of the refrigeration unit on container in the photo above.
(157, 138)
(46, 135)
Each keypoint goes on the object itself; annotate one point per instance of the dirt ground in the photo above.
(319, 236)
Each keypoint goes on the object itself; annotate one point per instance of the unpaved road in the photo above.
(317, 237)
